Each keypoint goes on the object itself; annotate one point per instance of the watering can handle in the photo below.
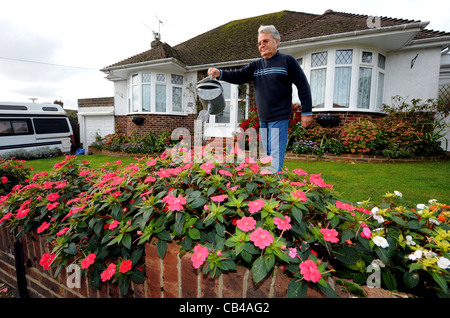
(208, 78)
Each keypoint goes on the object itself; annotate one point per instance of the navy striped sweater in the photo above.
(273, 80)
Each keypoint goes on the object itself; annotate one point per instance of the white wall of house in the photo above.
(120, 98)
(419, 82)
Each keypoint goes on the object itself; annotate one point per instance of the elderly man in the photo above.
(273, 76)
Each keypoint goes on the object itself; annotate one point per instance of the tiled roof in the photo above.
(236, 40)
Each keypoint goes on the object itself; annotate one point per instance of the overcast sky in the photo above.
(53, 50)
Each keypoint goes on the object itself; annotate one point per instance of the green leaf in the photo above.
(259, 270)
(179, 222)
(194, 234)
(161, 248)
(72, 249)
(388, 279)
(116, 212)
(346, 255)
(297, 214)
(297, 289)
(441, 281)
(126, 241)
(411, 279)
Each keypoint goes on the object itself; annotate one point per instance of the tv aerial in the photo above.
(157, 35)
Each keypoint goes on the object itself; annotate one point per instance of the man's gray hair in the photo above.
(269, 29)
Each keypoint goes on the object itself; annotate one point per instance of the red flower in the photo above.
(125, 266)
(43, 227)
(108, 272)
(199, 256)
(261, 238)
(62, 232)
(47, 260)
(219, 198)
(246, 224)
(52, 196)
(330, 235)
(4, 179)
(345, 206)
(88, 261)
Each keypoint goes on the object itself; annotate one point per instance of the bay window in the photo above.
(155, 92)
(347, 78)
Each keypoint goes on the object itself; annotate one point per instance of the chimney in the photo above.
(156, 41)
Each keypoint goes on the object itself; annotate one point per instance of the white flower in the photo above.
(380, 241)
(434, 221)
(429, 254)
(432, 201)
(399, 194)
(409, 240)
(421, 206)
(443, 263)
(416, 255)
(376, 263)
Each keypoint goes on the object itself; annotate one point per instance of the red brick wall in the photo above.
(154, 124)
(171, 277)
(96, 102)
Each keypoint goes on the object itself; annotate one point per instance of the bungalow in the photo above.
(354, 63)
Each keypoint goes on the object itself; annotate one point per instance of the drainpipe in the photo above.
(20, 270)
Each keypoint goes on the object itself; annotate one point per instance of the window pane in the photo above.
(342, 81)
(135, 98)
(367, 57)
(176, 99)
(5, 127)
(146, 77)
(161, 98)
(344, 56)
(51, 125)
(365, 81)
(380, 91)
(134, 79)
(146, 97)
(381, 61)
(161, 78)
(319, 59)
(20, 127)
(317, 83)
(177, 79)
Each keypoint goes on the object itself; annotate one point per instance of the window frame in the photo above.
(149, 80)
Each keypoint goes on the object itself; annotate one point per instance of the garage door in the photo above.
(102, 125)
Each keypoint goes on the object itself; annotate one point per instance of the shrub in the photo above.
(228, 214)
(41, 152)
(12, 173)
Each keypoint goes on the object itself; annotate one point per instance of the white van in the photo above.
(31, 125)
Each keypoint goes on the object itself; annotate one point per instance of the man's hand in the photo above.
(306, 121)
(214, 71)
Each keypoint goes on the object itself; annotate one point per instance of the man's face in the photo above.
(267, 45)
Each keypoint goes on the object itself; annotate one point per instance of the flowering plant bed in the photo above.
(228, 213)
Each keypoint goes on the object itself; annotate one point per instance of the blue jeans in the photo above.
(274, 136)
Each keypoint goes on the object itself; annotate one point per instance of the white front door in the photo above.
(225, 123)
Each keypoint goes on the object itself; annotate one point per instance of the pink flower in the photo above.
(6, 217)
(116, 194)
(300, 172)
(261, 238)
(52, 196)
(292, 252)
(317, 180)
(62, 232)
(88, 261)
(299, 195)
(266, 160)
(51, 206)
(330, 235)
(282, 224)
(310, 271)
(46, 260)
(219, 198)
(4, 179)
(256, 206)
(175, 203)
(113, 225)
(225, 173)
(43, 227)
(366, 233)
(22, 213)
(246, 224)
(125, 266)
(199, 256)
(108, 272)
(345, 206)
(149, 179)
(207, 166)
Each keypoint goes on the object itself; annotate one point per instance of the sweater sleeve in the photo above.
(238, 77)
(304, 90)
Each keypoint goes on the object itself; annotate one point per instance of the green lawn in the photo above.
(418, 182)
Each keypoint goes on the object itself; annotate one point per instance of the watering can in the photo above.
(210, 93)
